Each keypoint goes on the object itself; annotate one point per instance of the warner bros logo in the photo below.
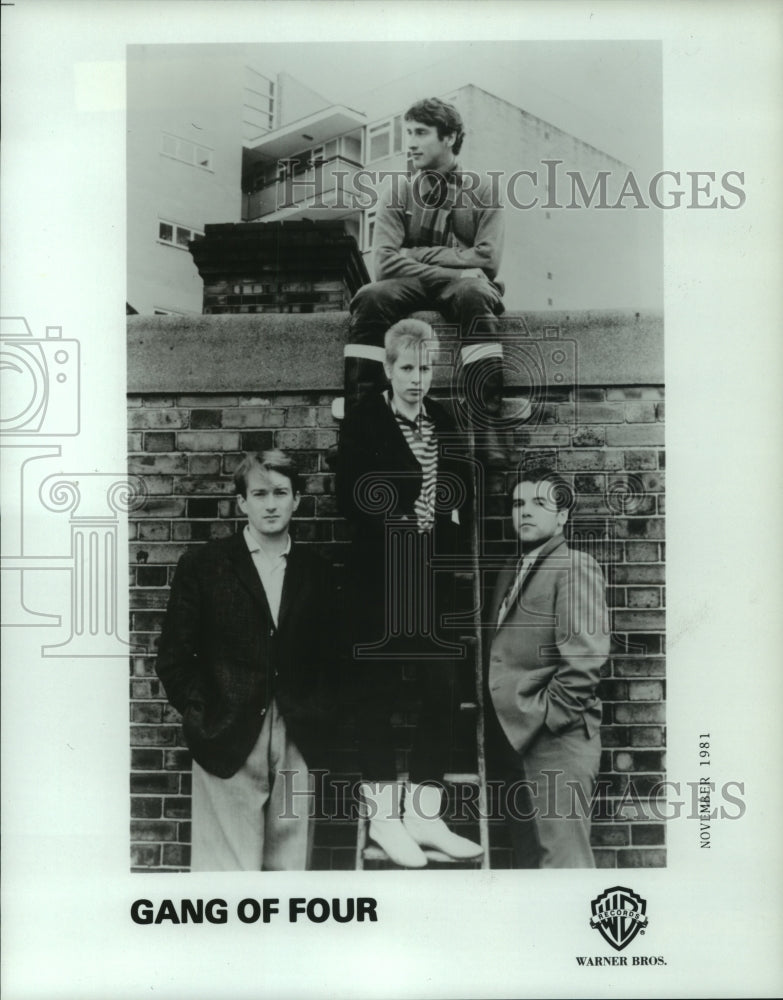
(619, 914)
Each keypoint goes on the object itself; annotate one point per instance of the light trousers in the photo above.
(259, 819)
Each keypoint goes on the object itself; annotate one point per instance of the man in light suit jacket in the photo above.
(548, 636)
(245, 656)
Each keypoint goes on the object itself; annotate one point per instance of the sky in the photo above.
(608, 94)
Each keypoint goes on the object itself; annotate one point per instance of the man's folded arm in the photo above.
(485, 253)
(389, 257)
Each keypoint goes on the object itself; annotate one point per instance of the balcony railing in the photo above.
(327, 185)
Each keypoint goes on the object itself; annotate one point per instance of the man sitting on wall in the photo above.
(437, 244)
(246, 657)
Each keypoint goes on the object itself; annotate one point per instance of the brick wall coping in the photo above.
(301, 352)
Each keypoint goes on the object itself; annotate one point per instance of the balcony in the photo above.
(309, 131)
(326, 190)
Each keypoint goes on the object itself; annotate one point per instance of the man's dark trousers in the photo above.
(469, 304)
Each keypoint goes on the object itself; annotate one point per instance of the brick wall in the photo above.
(186, 445)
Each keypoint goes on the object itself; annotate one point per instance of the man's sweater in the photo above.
(477, 229)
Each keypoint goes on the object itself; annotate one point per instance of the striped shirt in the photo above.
(423, 442)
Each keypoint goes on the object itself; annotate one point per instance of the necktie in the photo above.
(511, 595)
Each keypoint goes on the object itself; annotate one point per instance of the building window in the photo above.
(398, 134)
(187, 151)
(369, 229)
(307, 162)
(384, 139)
(258, 108)
(350, 148)
(264, 176)
(317, 159)
(380, 141)
(174, 235)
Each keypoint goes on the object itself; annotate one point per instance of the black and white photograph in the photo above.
(269, 223)
(354, 571)
(540, 337)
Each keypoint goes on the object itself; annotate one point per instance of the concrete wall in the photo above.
(273, 352)
(202, 391)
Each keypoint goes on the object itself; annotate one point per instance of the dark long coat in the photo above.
(398, 580)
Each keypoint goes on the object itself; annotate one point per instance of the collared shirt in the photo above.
(270, 569)
(512, 593)
(422, 440)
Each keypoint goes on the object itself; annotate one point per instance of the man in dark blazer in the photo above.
(548, 636)
(245, 656)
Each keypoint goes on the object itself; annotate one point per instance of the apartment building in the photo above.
(228, 143)
(192, 110)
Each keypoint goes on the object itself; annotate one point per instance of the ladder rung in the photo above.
(461, 778)
(450, 778)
